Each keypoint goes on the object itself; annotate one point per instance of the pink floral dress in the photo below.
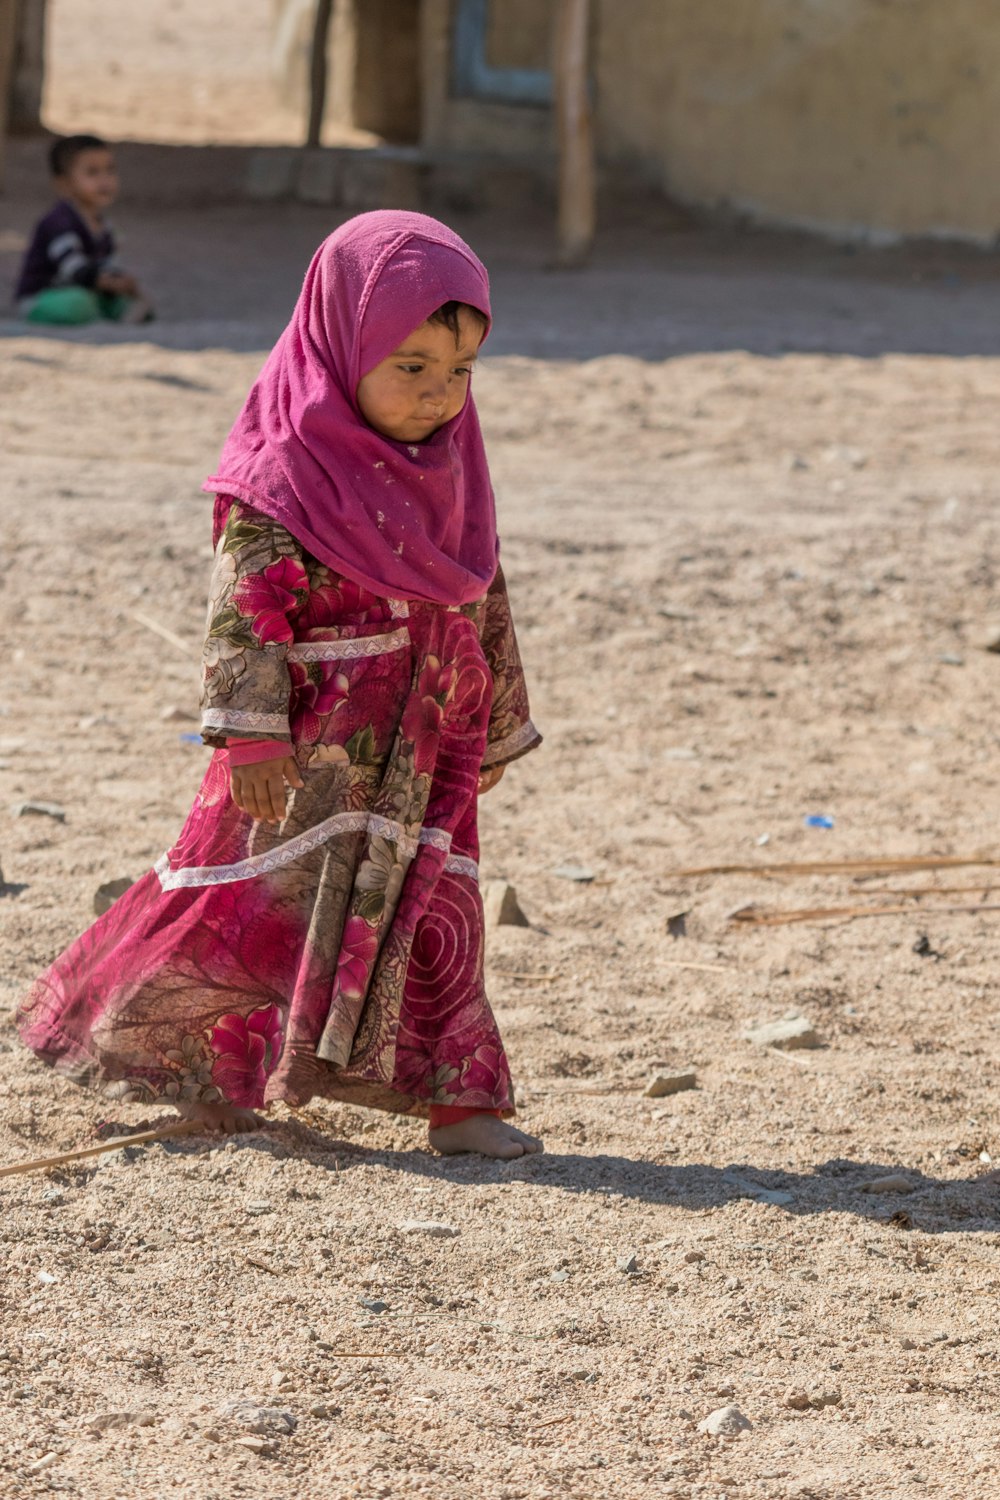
(340, 953)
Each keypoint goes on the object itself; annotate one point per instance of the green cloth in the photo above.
(74, 305)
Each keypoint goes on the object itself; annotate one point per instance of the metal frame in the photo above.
(473, 77)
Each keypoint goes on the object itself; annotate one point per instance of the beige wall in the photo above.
(847, 116)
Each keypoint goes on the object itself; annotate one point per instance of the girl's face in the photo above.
(423, 383)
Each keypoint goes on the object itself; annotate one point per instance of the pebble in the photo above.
(107, 894)
(45, 1462)
(174, 715)
(559, 1276)
(727, 1421)
(819, 1399)
(789, 1034)
(270, 1421)
(579, 873)
(39, 809)
(107, 1421)
(501, 906)
(895, 1183)
(433, 1228)
(255, 1444)
(373, 1305)
(796, 1398)
(628, 1265)
(662, 1084)
(693, 1257)
(256, 1210)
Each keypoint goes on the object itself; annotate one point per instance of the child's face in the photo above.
(423, 383)
(92, 180)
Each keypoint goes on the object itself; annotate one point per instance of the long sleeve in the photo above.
(511, 732)
(259, 584)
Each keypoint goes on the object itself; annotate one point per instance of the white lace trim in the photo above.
(460, 864)
(274, 859)
(368, 645)
(399, 609)
(511, 745)
(231, 718)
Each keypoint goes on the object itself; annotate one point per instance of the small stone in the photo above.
(270, 1421)
(895, 1183)
(727, 1422)
(255, 1444)
(559, 1276)
(373, 1305)
(46, 1278)
(693, 1257)
(174, 715)
(501, 906)
(45, 1462)
(258, 1209)
(725, 1390)
(819, 1399)
(107, 894)
(987, 638)
(433, 1228)
(662, 1084)
(907, 1344)
(789, 1034)
(106, 1421)
(628, 1265)
(579, 873)
(677, 924)
(323, 1409)
(796, 1399)
(39, 809)
(951, 659)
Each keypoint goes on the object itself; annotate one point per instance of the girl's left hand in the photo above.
(489, 779)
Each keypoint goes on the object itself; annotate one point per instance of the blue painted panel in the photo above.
(472, 76)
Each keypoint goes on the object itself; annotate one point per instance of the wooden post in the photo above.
(317, 71)
(577, 192)
(28, 77)
(8, 43)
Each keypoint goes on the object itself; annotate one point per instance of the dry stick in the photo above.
(163, 632)
(928, 890)
(684, 963)
(534, 978)
(849, 913)
(887, 866)
(42, 1163)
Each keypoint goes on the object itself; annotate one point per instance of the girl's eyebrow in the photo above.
(464, 355)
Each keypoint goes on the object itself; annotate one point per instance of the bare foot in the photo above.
(224, 1119)
(485, 1134)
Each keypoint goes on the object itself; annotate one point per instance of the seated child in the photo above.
(69, 274)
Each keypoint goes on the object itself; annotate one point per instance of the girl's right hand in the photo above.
(259, 788)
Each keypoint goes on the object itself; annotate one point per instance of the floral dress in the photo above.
(339, 953)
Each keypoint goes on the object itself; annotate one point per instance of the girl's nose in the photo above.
(435, 394)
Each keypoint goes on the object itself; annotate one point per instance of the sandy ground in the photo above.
(749, 499)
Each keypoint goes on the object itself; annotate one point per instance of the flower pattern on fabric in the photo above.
(353, 968)
(266, 599)
(246, 1049)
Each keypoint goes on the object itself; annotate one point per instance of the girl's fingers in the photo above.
(276, 797)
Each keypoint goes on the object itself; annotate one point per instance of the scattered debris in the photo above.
(894, 1183)
(951, 659)
(38, 809)
(579, 873)
(373, 1305)
(501, 905)
(819, 1399)
(257, 1210)
(727, 1422)
(107, 1421)
(107, 894)
(922, 948)
(628, 1265)
(790, 1034)
(677, 924)
(45, 1462)
(662, 1084)
(818, 820)
(434, 1228)
(693, 1257)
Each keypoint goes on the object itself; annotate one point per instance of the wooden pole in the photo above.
(28, 77)
(577, 192)
(8, 43)
(317, 71)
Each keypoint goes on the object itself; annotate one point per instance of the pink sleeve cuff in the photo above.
(248, 752)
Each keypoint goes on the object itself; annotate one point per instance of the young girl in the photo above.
(317, 928)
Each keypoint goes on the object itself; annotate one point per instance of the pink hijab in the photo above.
(407, 521)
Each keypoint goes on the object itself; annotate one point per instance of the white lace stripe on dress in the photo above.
(505, 748)
(461, 864)
(233, 718)
(350, 650)
(304, 843)
(399, 609)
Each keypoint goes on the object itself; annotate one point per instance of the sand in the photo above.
(748, 497)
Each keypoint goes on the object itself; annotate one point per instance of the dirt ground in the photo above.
(748, 491)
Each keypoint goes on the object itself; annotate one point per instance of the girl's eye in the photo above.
(463, 370)
(411, 369)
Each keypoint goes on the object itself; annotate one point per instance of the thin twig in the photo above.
(43, 1163)
(684, 963)
(750, 918)
(887, 865)
(163, 633)
(532, 978)
(928, 890)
